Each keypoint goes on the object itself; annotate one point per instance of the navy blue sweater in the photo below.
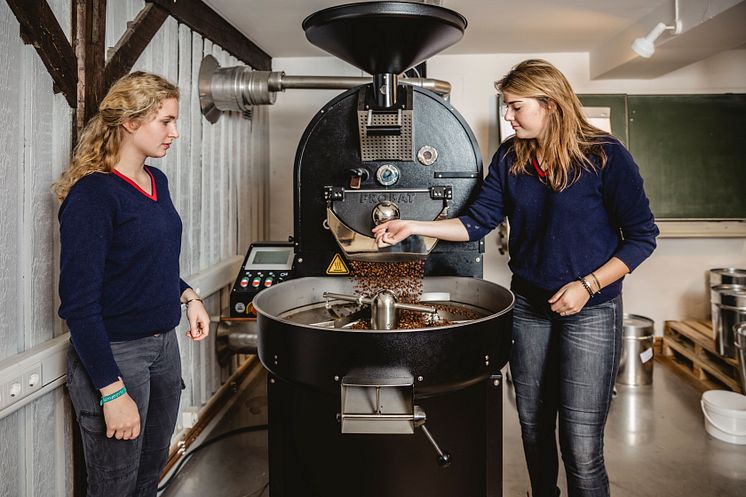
(119, 266)
(556, 237)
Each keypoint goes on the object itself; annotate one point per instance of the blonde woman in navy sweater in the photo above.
(120, 289)
(579, 221)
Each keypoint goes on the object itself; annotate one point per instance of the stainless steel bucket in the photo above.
(723, 276)
(727, 276)
(728, 309)
(739, 331)
(636, 365)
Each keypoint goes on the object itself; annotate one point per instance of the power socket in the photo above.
(15, 390)
(32, 380)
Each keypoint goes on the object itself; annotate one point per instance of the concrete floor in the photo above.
(656, 446)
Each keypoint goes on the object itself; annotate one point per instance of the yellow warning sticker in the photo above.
(337, 266)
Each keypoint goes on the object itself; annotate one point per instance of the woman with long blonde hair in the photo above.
(120, 289)
(579, 221)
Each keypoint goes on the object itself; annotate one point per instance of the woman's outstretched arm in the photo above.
(393, 232)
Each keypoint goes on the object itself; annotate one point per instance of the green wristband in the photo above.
(112, 396)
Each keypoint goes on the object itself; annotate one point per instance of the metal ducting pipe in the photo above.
(239, 88)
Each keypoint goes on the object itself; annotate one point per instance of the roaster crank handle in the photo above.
(444, 458)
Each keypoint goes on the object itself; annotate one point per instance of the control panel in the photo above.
(266, 264)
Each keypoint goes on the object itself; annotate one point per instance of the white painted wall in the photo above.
(670, 285)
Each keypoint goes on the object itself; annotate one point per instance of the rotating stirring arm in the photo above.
(383, 308)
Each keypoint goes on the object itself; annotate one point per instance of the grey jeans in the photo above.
(151, 370)
(564, 367)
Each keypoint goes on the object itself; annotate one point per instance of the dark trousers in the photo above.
(564, 368)
(151, 370)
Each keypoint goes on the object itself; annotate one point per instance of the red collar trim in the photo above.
(153, 196)
(539, 171)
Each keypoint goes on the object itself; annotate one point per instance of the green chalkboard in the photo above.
(691, 150)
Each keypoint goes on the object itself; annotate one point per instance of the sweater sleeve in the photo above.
(486, 212)
(628, 207)
(183, 286)
(86, 228)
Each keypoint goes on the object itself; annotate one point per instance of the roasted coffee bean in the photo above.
(404, 280)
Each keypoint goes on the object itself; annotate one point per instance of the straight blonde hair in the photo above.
(134, 98)
(568, 141)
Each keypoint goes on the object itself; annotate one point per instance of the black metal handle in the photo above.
(444, 458)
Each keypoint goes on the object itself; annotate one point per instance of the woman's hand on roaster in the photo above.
(392, 232)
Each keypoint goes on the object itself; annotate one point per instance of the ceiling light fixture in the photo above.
(645, 47)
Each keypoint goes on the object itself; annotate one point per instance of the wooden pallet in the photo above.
(690, 344)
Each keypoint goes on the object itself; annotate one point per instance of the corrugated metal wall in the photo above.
(218, 176)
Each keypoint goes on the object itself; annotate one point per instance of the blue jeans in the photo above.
(151, 370)
(565, 367)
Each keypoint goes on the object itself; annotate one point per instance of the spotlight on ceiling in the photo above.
(645, 47)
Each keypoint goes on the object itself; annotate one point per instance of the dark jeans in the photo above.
(151, 370)
(565, 367)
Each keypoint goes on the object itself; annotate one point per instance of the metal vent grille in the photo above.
(394, 147)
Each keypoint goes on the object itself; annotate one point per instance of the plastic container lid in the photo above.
(726, 402)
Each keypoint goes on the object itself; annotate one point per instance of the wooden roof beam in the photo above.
(40, 28)
(89, 27)
(134, 41)
(205, 21)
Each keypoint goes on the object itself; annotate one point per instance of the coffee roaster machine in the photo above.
(383, 411)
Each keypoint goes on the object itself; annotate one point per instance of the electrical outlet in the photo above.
(32, 380)
(15, 390)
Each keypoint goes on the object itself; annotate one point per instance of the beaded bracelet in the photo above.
(586, 286)
(112, 396)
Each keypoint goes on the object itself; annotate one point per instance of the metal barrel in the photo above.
(636, 364)
(728, 309)
(727, 276)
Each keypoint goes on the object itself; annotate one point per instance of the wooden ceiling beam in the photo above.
(89, 28)
(134, 41)
(40, 28)
(202, 19)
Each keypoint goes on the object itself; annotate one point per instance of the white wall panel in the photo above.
(10, 469)
(11, 139)
(39, 205)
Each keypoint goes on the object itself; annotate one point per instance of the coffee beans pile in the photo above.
(404, 280)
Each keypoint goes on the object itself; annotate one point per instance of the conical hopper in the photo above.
(384, 37)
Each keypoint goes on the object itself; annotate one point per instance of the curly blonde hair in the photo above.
(134, 98)
(568, 140)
